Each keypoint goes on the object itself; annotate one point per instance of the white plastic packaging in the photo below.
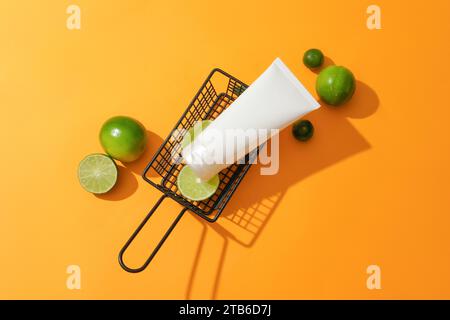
(271, 103)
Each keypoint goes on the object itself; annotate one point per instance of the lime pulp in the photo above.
(193, 188)
(97, 173)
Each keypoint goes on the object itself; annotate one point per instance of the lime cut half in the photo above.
(97, 173)
(193, 188)
(194, 132)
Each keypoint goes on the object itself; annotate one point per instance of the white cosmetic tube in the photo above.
(271, 103)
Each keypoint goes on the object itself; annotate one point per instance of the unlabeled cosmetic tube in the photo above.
(269, 104)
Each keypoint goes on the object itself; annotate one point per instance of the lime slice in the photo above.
(194, 132)
(97, 173)
(193, 188)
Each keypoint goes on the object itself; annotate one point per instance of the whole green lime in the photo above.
(123, 138)
(335, 85)
(313, 58)
(303, 130)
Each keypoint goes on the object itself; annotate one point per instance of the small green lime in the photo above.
(97, 173)
(123, 138)
(313, 58)
(193, 188)
(194, 132)
(303, 130)
(335, 85)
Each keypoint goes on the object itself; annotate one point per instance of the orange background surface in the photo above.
(371, 187)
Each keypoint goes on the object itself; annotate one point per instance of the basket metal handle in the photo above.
(161, 242)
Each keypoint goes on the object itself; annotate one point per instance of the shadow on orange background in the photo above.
(251, 207)
(253, 204)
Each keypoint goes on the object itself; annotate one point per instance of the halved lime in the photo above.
(193, 188)
(97, 173)
(194, 132)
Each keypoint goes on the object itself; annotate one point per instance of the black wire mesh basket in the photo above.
(218, 91)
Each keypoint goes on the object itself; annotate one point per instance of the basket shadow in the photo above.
(335, 139)
(251, 208)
